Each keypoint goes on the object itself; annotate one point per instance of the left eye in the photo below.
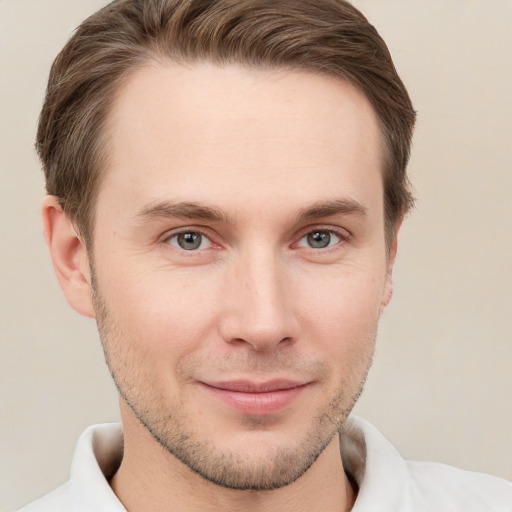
(320, 239)
(190, 241)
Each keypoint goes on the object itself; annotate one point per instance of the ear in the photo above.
(69, 256)
(391, 256)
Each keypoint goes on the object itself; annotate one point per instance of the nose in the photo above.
(258, 303)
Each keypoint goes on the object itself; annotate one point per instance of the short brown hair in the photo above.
(325, 36)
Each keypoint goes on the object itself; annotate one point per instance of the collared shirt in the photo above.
(387, 482)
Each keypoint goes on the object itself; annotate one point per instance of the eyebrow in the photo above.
(191, 210)
(332, 208)
(185, 210)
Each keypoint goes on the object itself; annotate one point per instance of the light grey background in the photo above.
(441, 383)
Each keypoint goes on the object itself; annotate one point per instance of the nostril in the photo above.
(261, 344)
(267, 345)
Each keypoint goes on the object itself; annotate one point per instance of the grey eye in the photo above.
(188, 241)
(321, 239)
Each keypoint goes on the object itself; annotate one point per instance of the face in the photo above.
(240, 264)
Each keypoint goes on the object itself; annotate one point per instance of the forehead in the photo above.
(240, 133)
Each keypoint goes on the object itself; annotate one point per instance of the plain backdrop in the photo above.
(441, 384)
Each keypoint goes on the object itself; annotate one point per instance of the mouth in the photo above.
(257, 398)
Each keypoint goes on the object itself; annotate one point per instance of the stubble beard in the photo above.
(227, 469)
(233, 470)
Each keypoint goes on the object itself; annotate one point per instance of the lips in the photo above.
(257, 398)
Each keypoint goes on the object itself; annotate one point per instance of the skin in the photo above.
(254, 163)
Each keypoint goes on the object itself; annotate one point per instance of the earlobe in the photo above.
(388, 293)
(388, 285)
(69, 256)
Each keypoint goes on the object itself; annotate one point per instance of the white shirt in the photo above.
(387, 482)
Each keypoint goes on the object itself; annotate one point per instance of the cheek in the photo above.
(163, 314)
(342, 316)
(166, 314)
(343, 296)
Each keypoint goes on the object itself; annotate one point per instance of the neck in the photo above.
(151, 479)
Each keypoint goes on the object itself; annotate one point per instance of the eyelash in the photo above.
(174, 236)
(342, 235)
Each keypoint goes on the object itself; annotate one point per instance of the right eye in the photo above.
(320, 239)
(190, 241)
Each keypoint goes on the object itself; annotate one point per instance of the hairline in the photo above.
(157, 58)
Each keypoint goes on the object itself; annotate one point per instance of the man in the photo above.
(226, 180)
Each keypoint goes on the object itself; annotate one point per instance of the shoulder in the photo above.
(97, 456)
(388, 482)
(458, 489)
(56, 500)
